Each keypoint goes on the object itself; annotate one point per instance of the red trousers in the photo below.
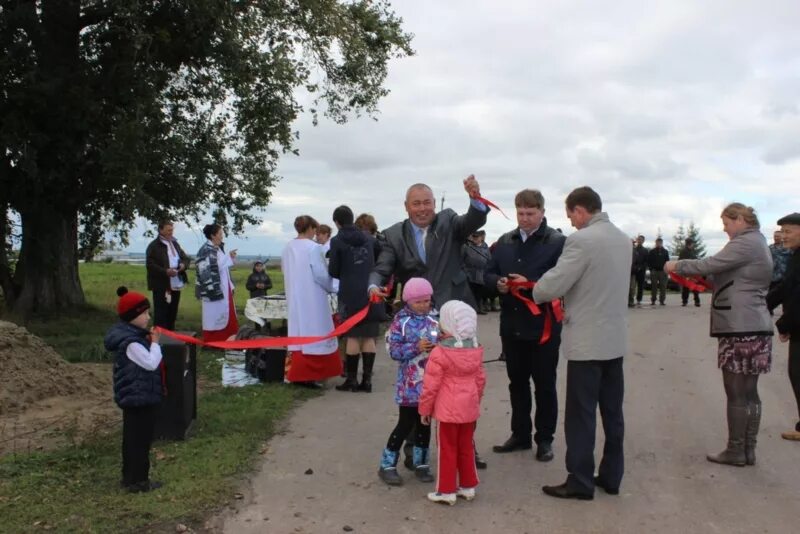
(456, 464)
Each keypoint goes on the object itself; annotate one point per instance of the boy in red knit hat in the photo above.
(138, 386)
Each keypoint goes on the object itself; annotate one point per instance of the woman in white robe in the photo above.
(307, 285)
(215, 287)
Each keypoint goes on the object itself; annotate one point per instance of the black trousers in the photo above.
(590, 383)
(685, 295)
(526, 360)
(408, 420)
(794, 369)
(164, 314)
(138, 425)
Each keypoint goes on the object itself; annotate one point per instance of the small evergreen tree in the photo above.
(694, 232)
(679, 240)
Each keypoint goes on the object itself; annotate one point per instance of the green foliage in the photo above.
(115, 109)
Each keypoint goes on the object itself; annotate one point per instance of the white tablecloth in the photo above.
(261, 309)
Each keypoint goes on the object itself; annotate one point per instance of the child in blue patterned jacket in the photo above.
(412, 336)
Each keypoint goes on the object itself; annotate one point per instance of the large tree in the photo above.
(116, 109)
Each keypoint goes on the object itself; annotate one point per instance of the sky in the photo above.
(669, 110)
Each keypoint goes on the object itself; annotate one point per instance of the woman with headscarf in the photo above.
(215, 287)
(307, 285)
(741, 273)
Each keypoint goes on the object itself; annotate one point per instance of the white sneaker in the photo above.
(466, 493)
(444, 498)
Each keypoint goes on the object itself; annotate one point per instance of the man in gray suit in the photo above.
(428, 245)
(592, 276)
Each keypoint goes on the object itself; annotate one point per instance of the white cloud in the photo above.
(669, 111)
(271, 229)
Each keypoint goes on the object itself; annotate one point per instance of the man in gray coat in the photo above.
(428, 245)
(592, 274)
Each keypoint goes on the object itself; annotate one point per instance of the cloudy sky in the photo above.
(668, 112)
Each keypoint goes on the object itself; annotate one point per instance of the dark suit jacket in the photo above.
(788, 294)
(157, 261)
(443, 268)
(537, 255)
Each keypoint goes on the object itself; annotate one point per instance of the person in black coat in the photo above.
(656, 259)
(787, 293)
(638, 269)
(258, 282)
(166, 264)
(351, 259)
(525, 254)
(688, 253)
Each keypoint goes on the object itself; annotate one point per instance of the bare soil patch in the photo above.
(45, 401)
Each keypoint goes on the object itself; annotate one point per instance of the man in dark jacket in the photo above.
(525, 254)
(428, 245)
(787, 293)
(638, 269)
(656, 259)
(688, 253)
(166, 275)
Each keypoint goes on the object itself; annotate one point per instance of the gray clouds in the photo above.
(670, 111)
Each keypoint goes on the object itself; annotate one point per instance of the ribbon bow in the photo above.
(551, 313)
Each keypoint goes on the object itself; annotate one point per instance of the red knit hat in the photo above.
(131, 304)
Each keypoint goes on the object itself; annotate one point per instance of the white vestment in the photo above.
(307, 285)
(215, 313)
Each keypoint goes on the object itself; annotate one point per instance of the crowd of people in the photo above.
(559, 296)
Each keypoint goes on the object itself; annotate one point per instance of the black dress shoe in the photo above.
(600, 484)
(479, 463)
(562, 492)
(544, 452)
(513, 444)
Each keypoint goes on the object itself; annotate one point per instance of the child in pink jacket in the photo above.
(451, 392)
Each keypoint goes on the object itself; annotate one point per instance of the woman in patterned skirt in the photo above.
(740, 274)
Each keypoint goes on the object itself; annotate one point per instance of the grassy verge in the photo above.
(78, 337)
(76, 489)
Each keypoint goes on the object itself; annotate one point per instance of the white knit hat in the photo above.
(459, 319)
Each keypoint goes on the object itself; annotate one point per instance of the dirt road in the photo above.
(674, 409)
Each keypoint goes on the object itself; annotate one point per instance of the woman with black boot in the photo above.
(741, 273)
(352, 257)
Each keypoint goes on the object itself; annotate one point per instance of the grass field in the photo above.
(76, 489)
(78, 337)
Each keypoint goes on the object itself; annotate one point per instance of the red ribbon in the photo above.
(554, 312)
(693, 283)
(267, 342)
(488, 203)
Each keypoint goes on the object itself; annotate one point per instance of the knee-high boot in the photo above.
(366, 376)
(351, 369)
(737, 424)
(751, 434)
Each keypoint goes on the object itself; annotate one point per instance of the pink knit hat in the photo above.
(417, 289)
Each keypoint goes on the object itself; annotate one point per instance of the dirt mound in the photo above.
(30, 371)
